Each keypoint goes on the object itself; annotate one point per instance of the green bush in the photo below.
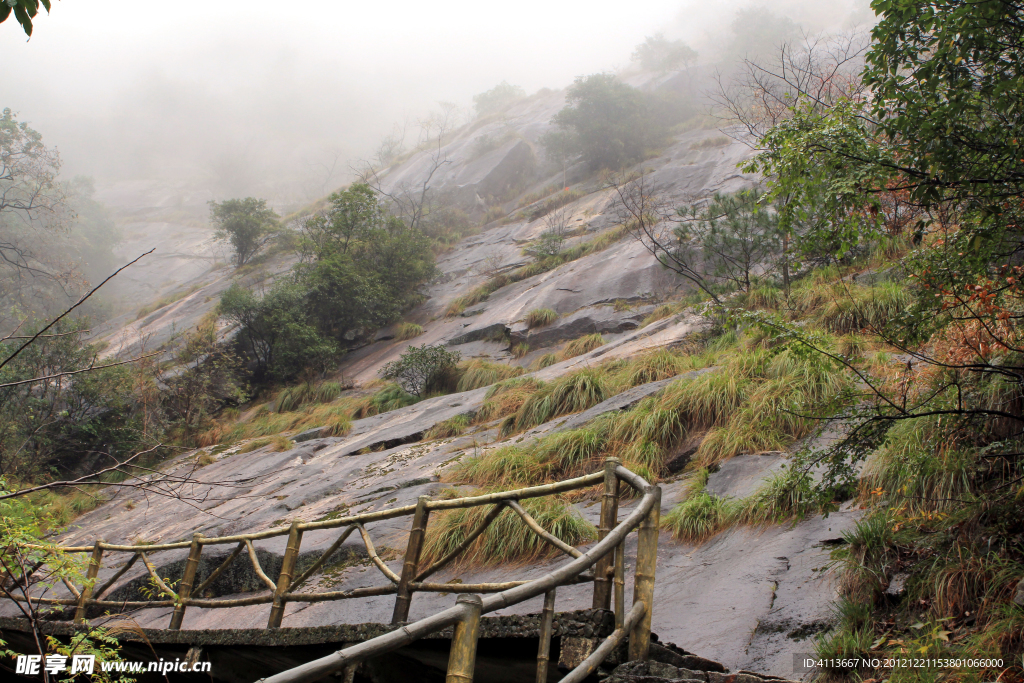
(421, 368)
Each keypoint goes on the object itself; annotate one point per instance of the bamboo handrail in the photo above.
(391, 576)
(536, 528)
(70, 587)
(257, 567)
(408, 633)
(607, 551)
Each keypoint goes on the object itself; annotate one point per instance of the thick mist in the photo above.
(254, 97)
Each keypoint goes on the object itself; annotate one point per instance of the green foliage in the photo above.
(498, 98)
(360, 270)
(737, 236)
(275, 333)
(248, 224)
(657, 53)
(507, 539)
(421, 368)
(610, 123)
(49, 428)
(24, 11)
(540, 317)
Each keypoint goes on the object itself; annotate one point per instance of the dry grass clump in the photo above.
(539, 317)
(453, 426)
(547, 360)
(300, 395)
(507, 397)
(407, 331)
(661, 312)
(578, 347)
(477, 373)
(507, 539)
(335, 416)
(568, 394)
(278, 444)
(520, 350)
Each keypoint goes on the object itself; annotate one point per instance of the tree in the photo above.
(737, 235)
(421, 368)
(550, 242)
(248, 224)
(611, 123)
(657, 53)
(24, 11)
(497, 98)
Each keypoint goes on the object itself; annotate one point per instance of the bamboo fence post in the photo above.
(544, 646)
(609, 515)
(90, 580)
(412, 561)
(462, 659)
(188, 577)
(284, 579)
(643, 585)
(620, 584)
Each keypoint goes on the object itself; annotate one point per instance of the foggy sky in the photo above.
(270, 92)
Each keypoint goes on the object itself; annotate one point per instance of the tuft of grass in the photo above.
(507, 397)
(407, 331)
(293, 398)
(654, 366)
(453, 426)
(540, 317)
(278, 444)
(544, 361)
(700, 517)
(784, 495)
(507, 539)
(568, 394)
(660, 313)
(478, 373)
(391, 397)
(520, 350)
(578, 347)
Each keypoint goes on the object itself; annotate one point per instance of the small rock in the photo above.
(1018, 598)
(897, 586)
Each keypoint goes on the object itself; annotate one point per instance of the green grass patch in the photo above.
(540, 317)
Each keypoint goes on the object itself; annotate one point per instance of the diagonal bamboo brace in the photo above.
(284, 579)
(90, 580)
(188, 577)
(412, 560)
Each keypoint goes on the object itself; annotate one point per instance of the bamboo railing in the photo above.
(606, 558)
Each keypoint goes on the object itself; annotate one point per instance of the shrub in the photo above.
(539, 317)
(247, 223)
(420, 368)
